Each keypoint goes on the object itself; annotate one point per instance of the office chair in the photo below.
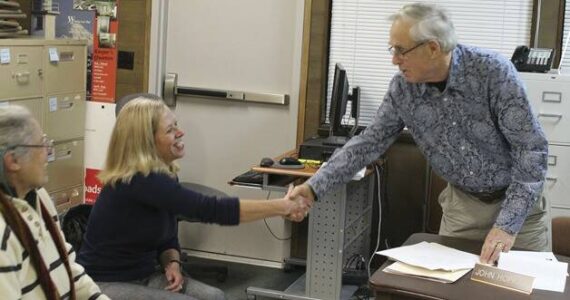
(202, 269)
(74, 224)
(560, 240)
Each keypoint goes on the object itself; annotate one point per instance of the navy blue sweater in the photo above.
(132, 224)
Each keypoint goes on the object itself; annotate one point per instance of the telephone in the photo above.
(528, 59)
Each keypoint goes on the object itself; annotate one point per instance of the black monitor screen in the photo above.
(338, 102)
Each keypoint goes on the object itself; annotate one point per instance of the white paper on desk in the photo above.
(549, 256)
(359, 175)
(432, 256)
(435, 275)
(549, 275)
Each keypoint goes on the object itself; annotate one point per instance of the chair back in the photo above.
(561, 236)
(74, 224)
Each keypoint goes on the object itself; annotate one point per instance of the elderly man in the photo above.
(468, 112)
(35, 260)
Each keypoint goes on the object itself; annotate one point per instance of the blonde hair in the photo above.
(132, 147)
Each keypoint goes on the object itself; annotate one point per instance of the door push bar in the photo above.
(171, 90)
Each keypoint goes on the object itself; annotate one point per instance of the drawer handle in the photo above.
(67, 105)
(545, 115)
(22, 77)
(552, 179)
(552, 160)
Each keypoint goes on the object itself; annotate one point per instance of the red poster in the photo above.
(104, 68)
(92, 185)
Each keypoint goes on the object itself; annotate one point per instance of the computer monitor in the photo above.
(339, 98)
(338, 133)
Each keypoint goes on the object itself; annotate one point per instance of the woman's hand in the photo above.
(174, 277)
(298, 207)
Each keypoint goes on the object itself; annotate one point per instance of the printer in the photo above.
(320, 148)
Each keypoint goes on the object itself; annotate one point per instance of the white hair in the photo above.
(430, 22)
(16, 127)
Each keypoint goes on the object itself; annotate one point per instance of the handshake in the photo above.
(299, 201)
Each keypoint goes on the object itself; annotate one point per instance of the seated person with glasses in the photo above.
(35, 260)
(469, 114)
(133, 226)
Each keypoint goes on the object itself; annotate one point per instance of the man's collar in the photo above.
(455, 69)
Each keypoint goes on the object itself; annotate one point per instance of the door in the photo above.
(246, 45)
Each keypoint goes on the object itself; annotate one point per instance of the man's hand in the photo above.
(497, 241)
(174, 277)
(297, 207)
(303, 193)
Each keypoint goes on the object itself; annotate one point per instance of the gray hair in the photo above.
(431, 22)
(16, 127)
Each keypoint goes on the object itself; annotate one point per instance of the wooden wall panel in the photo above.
(134, 36)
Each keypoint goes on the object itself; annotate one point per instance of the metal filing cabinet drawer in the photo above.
(550, 100)
(67, 198)
(65, 116)
(22, 76)
(67, 74)
(557, 185)
(34, 105)
(65, 167)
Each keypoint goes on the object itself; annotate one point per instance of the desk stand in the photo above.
(339, 226)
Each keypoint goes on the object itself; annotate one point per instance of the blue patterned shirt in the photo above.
(479, 134)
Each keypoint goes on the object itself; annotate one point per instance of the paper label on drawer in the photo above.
(5, 56)
(52, 104)
(53, 55)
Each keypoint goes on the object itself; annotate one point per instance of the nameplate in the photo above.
(502, 278)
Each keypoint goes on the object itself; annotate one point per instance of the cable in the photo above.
(377, 171)
(269, 228)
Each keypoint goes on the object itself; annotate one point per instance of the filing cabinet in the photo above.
(34, 105)
(69, 107)
(65, 165)
(549, 95)
(49, 78)
(68, 197)
(72, 59)
(21, 71)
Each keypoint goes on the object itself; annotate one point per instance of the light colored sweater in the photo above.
(18, 278)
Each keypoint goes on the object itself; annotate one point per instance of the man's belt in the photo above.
(490, 197)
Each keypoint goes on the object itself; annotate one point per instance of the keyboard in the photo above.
(249, 177)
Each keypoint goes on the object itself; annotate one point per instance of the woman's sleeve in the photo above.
(10, 263)
(163, 191)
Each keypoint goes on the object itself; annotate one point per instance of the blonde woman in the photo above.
(133, 226)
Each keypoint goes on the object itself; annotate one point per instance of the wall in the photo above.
(248, 45)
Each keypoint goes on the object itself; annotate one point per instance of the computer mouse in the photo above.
(266, 162)
(289, 161)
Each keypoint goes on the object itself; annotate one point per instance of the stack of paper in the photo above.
(549, 273)
(430, 261)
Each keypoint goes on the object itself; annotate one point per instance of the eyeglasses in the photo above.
(46, 143)
(401, 52)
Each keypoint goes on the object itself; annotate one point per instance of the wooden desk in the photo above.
(339, 226)
(390, 286)
(305, 172)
